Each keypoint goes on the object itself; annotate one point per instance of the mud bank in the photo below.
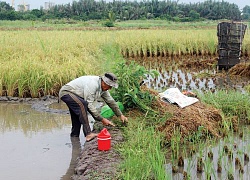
(96, 164)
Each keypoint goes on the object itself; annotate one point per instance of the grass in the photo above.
(68, 23)
(232, 103)
(147, 24)
(142, 152)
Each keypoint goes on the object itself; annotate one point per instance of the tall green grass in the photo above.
(142, 152)
(232, 103)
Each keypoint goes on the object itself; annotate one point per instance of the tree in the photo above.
(194, 15)
(5, 7)
(246, 12)
(36, 12)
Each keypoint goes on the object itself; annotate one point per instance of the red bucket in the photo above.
(104, 140)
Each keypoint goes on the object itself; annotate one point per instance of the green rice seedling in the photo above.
(175, 145)
(230, 173)
(208, 168)
(247, 88)
(1, 84)
(200, 165)
(190, 164)
(232, 103)
(144, 157)
(220, 157)
(219, 165)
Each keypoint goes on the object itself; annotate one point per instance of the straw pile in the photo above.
(188, 119)
(241, 69)
(200, 64)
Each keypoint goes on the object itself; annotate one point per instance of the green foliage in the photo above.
(29, 17)
(108, 24)
(37, 13)
(111, 16)
(142, 152)
(133, 10)
(111, 20)
(5, 7)
(232, 103)
(246, 13)
(129, 91)
(9, 15)
(194, 15)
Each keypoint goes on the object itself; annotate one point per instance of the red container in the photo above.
(104, 140)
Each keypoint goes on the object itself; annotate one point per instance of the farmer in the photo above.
(80, 94)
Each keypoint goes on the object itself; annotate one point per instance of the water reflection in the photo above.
(238, 148)
(22, 117)
(35, 145)
(199, 79)
(76, 150)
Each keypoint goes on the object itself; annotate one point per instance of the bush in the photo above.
(129, 91)
(109, 24)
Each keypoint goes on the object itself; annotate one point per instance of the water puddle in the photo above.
(36, 145)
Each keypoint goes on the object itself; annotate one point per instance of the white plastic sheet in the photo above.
(173, 95)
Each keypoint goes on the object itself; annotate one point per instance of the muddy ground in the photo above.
(96, 164)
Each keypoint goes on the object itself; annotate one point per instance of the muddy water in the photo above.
(239, 147)
(36, 145)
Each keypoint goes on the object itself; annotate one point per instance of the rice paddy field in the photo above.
(36, 59)
(36, 62)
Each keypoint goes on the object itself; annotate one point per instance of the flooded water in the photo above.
(195, 79)
(238, 149)
(36, 145)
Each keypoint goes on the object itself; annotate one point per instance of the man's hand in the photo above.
(124, 118)
(106, 122)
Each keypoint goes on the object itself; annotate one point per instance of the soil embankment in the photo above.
(96, 164)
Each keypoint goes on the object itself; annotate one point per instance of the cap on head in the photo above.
(110, 79)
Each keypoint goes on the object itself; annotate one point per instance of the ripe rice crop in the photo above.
(36, 63)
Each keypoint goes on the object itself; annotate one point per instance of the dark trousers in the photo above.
(78, 108)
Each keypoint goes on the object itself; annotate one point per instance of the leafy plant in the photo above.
(109, 24)
(129, 91)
